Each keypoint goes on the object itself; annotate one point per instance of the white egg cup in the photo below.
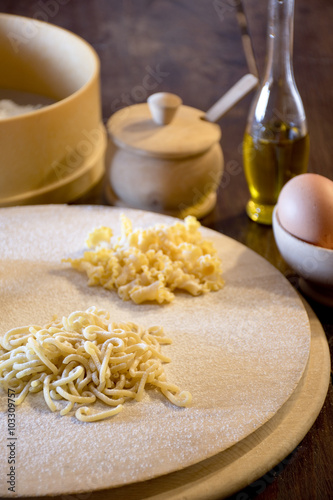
(314, 264)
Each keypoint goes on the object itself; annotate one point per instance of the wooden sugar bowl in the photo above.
(165, 157)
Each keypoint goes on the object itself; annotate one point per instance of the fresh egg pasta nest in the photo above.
(148, 264)
(83, 358)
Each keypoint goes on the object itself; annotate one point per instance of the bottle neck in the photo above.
(280, 40)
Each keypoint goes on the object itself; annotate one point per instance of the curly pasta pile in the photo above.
(83, 358)
(149, 264)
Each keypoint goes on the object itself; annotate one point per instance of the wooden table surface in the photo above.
(195, 48)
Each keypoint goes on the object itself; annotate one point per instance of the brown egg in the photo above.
(305, 209)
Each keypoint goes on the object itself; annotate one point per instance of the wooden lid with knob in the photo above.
(163, 128)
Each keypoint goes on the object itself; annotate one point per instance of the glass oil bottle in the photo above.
(276, 141)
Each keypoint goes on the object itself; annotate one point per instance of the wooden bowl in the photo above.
(55, 153)
(164, 162)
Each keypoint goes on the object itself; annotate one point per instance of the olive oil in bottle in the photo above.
(269, 164)
(276, 141)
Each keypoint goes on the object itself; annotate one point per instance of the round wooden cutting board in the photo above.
(240, 351)
(241, 465)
